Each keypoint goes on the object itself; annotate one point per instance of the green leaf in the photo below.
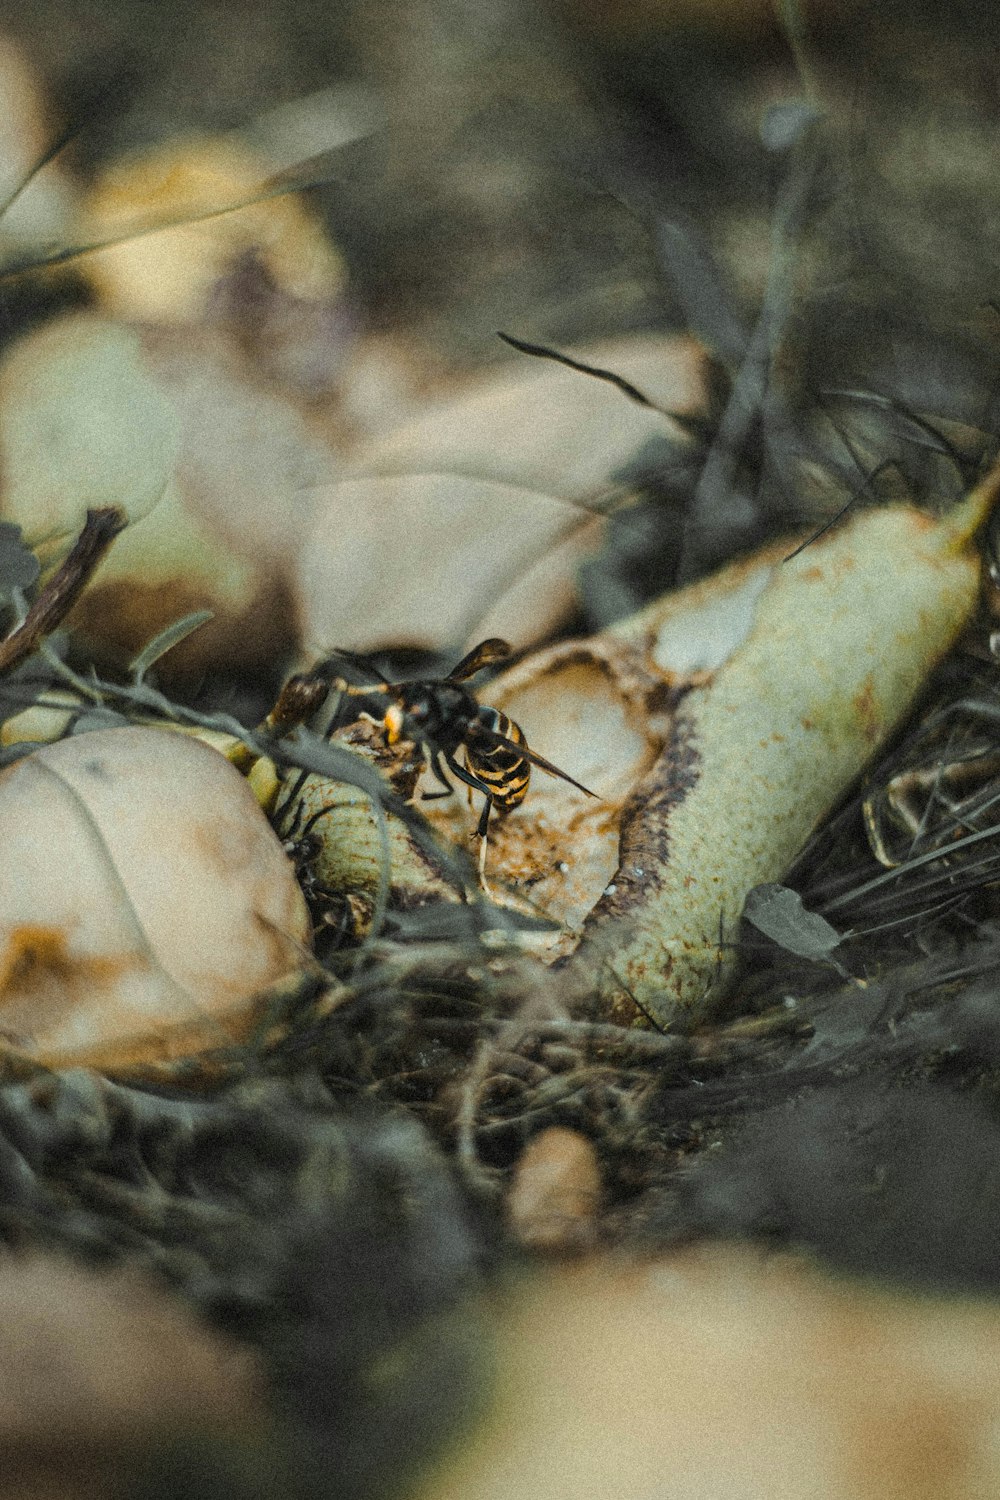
(99, 718)
(18, 564)
(166, 640)
(778, 913)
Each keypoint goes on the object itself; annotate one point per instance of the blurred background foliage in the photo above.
(809, 187)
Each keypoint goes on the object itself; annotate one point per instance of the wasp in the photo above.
(443, 717)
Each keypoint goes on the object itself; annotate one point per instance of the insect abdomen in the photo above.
(500, 767)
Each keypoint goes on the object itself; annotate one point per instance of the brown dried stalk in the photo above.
(61, 592)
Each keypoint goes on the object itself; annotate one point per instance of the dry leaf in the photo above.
(781, 915)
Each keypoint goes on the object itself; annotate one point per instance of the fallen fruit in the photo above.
(145, 901)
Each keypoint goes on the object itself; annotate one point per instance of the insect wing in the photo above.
(356, 662)
(480, 656)
(546, 765)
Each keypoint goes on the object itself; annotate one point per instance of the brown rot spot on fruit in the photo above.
(866, 707)
(39, 975)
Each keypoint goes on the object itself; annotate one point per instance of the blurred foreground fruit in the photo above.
(717, 1374)
(102, 1374)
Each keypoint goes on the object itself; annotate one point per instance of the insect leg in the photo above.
(435, 765)
(484, 817)
(289, 832)
(484, 887)
(477, 786)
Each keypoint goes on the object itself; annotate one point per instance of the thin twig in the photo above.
(543, 351)
(58, 596)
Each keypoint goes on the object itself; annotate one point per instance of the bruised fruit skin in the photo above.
(837, 645)
(144, 900)
(716, 729)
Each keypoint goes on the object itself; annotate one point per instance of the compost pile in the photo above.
(303, 1069)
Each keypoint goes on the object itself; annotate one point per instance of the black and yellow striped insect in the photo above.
(443, 716)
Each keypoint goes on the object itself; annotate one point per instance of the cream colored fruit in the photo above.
(238, 499)
(144, 901)
(41, 723)
(828, 652)
(472, 518)
(48, 720)
(722, 1374)
(38, 211)
(215, 478)
(82, 425)
(716, 729)
(168, 276)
